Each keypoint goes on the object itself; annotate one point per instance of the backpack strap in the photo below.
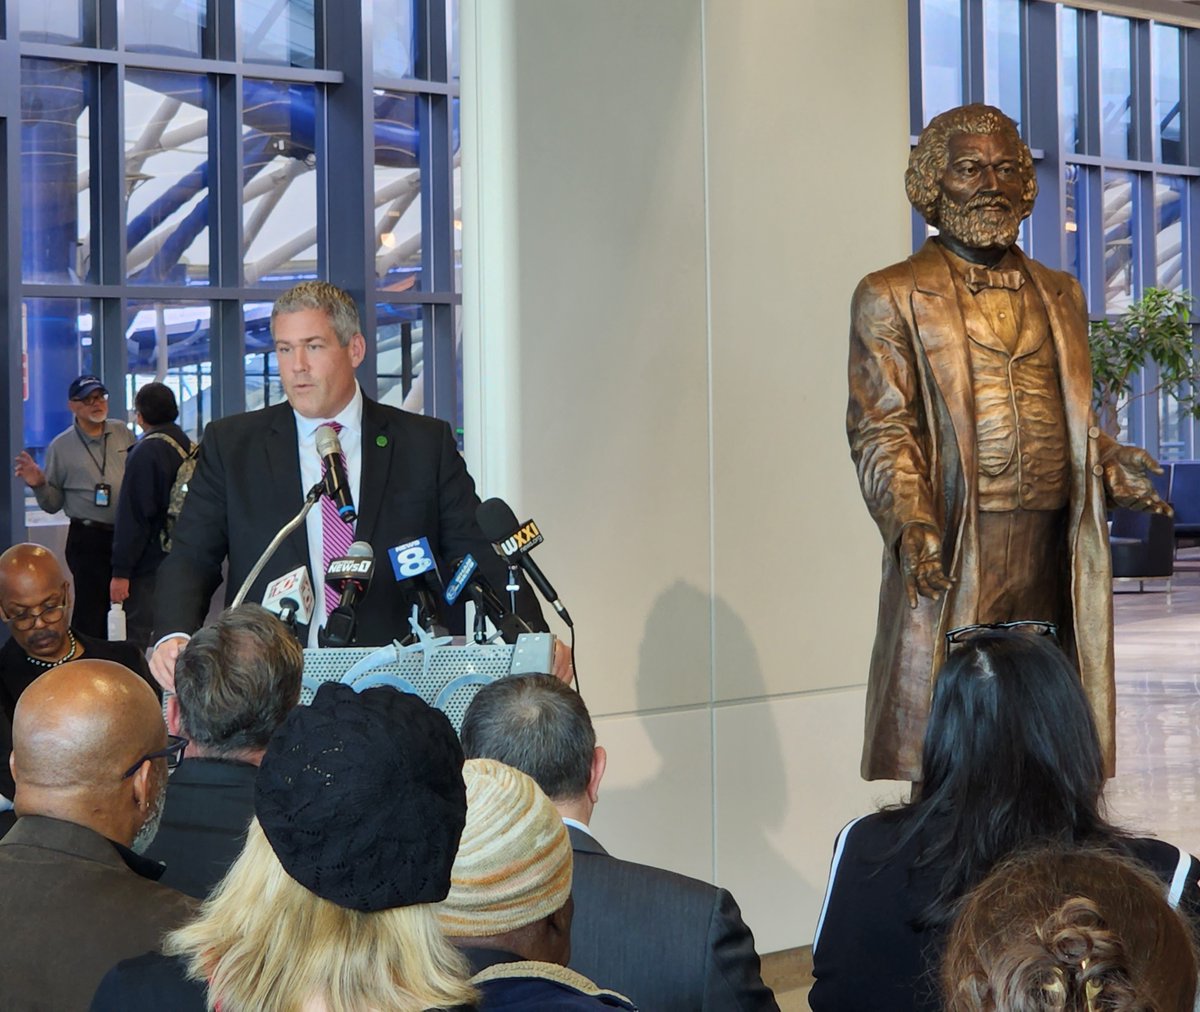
(170, 439)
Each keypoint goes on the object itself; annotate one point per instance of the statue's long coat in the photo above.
(911, 423)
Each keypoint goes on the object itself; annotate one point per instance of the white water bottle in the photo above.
(116, 621)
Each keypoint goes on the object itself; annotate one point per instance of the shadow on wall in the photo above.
(668, 818)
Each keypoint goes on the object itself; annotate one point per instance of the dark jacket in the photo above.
(73, 904)
(246, 487)
(669, 942)
(150, 471)
(508, 983)
(869, 953)
(209, 805)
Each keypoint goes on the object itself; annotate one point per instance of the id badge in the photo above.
(103, 494)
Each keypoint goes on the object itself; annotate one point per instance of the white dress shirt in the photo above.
(350, 418)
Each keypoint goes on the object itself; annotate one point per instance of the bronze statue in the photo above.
(971, 428)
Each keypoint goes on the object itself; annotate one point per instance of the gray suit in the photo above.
(668, 942)
(72, 906)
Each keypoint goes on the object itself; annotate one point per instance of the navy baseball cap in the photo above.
(84, 386)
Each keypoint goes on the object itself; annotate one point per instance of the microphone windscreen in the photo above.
(360, 550)
(327, 441)
(496, 519)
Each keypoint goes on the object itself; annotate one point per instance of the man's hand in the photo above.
(27, 470)
(921, 564)
(162, 661)
(564, 663)
(1127, 471)
(118, 589)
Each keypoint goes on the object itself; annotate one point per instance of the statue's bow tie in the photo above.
(980, 277)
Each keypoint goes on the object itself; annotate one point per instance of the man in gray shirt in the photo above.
(82, 477)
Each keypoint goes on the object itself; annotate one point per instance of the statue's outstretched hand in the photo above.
(1127, 471)
(921, 564)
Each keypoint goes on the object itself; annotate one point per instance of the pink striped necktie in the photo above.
(336, 535)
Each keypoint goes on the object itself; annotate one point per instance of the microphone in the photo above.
(291, 598)
(414, 565)
(350, 575)
(487, 602)
(514, 542)
(337, 485)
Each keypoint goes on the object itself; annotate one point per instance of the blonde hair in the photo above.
(264, 943)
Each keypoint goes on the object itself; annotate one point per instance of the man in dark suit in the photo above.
(671, 943)
(405, 474)
(235, 682)
(90, 759)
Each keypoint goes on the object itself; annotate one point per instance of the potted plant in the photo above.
(1156, 328)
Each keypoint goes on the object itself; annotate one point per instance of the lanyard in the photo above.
(102, 463)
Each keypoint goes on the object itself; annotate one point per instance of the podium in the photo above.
(446, 671)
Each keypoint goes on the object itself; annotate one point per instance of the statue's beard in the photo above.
(975, 225)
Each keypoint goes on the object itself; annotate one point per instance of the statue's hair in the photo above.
(263, 942)
(928, 160)
(1069, 931)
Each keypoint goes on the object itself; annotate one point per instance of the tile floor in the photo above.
(1157, 645)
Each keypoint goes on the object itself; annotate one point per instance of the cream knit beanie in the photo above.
(514, 859)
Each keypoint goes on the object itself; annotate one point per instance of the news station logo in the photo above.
(523, 541)
(350, 568)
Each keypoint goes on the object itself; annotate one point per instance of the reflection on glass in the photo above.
(279, 31)
(58, 21)
(57, 340)
(1170, 235)
(452, 38)
(1120, 225)
(170, 342)
(395, 38)
(262, 371)
(400, 355)
(279, 195)
(1116, 88)
(166, 174)
(55, 198)
(398, 265)
(1002, 56)
(941, 56)
(1174, 426)
(1068, 63)
(456, 183)
(1168, 103)
(165, 26)
(1075, 220)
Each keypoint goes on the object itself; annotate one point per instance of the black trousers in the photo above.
(139, 609)
(89, 557)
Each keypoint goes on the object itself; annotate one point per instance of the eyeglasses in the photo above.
(92, 399)
(48, 613)
(1032, 627)
(173, 753)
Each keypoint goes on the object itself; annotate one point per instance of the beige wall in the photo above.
(666, 208)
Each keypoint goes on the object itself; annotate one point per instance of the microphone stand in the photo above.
(310, 500)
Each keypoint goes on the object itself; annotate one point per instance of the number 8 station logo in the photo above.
(411, 559)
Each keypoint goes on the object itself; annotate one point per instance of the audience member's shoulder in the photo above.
(149, 982)
(531, 984)
(1164, 859)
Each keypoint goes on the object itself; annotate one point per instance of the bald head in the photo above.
(76, 730)
(29, 568)
(34, 600)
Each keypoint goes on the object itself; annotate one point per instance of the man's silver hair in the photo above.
(334, 302)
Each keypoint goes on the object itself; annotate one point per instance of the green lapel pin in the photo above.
(381, 440)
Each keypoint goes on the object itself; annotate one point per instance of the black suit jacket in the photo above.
(669, 942)
(247, 486)
(210, 802)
